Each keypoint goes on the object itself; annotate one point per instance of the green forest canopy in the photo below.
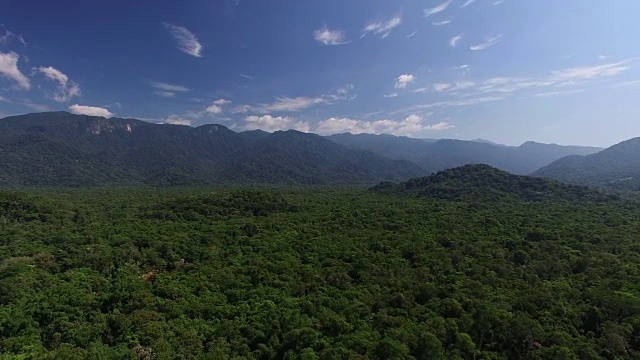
(315, 273)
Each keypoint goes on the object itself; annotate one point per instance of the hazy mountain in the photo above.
(485, 183)
(61, 149)
(444, 154)
(617, 167)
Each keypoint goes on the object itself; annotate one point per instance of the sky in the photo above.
(509, 71)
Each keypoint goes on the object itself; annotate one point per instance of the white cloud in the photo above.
(441, 86)
(392, 95)
(590, 72)
(412, 34)
(488, 43)
(177, 120)
(3, 99)
(221, 102)
(34, 106)
(469, 2)
(410, 125)
(498, 2)
(168, 87)
(442, 22)
(383, 28)
(9, 69)
(558, 93)
(166, 94)
(247, 76)
(454, 41)
(404, 80)
(292, 104)
(8, 36)
(214, 109)
(268, 122)
(330, 37)
(90, 110)
(66, 88)
(627, 83)
(187, 42)
(437, 9)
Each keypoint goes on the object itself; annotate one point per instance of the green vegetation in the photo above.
(315, 273)
(616, 168)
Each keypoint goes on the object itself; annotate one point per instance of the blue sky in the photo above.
(505, 70)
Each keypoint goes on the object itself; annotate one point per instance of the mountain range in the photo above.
(617, 167)
(63, 149)
(436, 155)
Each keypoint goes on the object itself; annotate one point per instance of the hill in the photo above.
(485, 183)
(617, 167)
(62, 149)
(444, 154)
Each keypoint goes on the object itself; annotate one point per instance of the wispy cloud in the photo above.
(404, 80)
(167, 90)
(412, 34)
(3, 99)
(9, 69)
(488, 43)
(66, 89)
(410, 125)
(186, 40)
(8, 36)
(34, 106)
(627, 83)
(454, 41)
(467, 3)
(437, 9)
(299, 103)
(498, 2)
(442, 22)
(590, 72)
(383, 28)
(247, 76)
(558, 93)
(90, 110)
(330, 37)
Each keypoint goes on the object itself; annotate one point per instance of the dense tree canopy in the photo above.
(315, 273)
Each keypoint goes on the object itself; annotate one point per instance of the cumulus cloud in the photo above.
(454, 41)
(90, 110)
(186, 41)
(9, 69)
(267, 122)
(404, 80)
(66, 89)
(383, 28)
(488, 43)
(437, 9)
(214, 109)
(412, 124)
(177, 120)
(330, 37)
(221, 102)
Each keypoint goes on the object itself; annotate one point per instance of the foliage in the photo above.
(315, 273)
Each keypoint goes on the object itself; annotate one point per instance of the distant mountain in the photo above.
(62, 149)
(485, 183)
(617, 167)
(443, 154)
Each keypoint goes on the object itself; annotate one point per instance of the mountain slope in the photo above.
(485, 183)
(61, 149)
(444, 154)
(617, 167)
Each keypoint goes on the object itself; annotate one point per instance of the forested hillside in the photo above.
(316, 273)
(61, 149)
(617, 167)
